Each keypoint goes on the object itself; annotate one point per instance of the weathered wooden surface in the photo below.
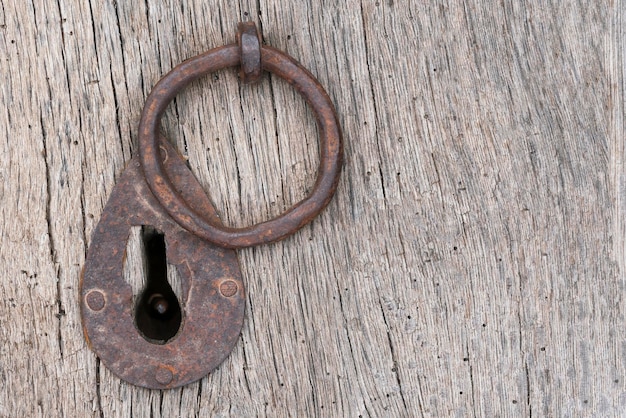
(472, 263)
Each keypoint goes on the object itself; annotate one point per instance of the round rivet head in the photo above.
(163, 375)
(228, 288)
(95, 300)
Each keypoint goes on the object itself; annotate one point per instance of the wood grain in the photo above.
(472, 264)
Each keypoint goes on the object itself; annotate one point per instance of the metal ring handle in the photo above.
(331, 149)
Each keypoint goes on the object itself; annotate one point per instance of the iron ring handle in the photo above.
(331, 148)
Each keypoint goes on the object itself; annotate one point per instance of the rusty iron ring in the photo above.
(282, 65)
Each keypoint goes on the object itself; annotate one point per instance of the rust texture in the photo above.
(159, 192)
(212, 319)
(297, 216)
(249, 42)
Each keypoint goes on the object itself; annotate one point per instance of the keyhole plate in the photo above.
(212, 301)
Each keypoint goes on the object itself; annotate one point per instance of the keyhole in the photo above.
(158, 315)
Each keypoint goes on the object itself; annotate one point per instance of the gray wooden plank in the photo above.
(472, 263)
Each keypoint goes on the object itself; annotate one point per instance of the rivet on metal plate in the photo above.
(163, 340)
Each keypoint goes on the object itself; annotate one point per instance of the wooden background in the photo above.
(472, 263)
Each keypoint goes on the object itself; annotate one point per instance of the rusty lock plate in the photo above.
(157, 190)
(212, 289)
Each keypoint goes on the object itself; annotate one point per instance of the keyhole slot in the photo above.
(158, 314)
